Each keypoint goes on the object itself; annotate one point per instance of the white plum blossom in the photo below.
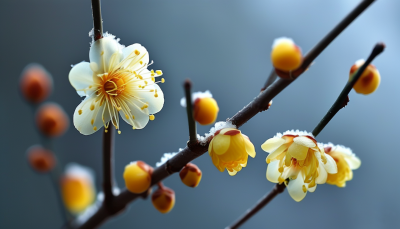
(115, 82)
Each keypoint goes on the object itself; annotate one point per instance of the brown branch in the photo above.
(97, 21)
(189, 110)
(108, 161)
(279, 188)
(192, 151)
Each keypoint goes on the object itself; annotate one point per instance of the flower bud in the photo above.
(40, 159)
(77, 188)
(36, 83)
(163, 199)
(205, 110)
(190, 175)
(137, 176)
(368, 81)
(286, 55)
(52, 120)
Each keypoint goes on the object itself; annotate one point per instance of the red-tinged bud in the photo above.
(191, 175)
(40, 159)
(36, 83)
(163, 199)
(137, 176)
(52, 120)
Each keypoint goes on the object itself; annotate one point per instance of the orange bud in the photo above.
(163, 199)
(369, 79)
(51, 120)
(190, 175)
(36, 83)
(137, 176)
(40, 159)
(205, 110)
(286, 55)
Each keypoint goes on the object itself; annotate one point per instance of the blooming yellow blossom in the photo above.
(286, 55)
(116, 81)
(368, 81)
(296, 156)
(346, 162)
(77, 188)
(230, 149)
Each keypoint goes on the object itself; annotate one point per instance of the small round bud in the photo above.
(368, 81)
(40, 159)
(205, 110)
(163, 199)
(36, 83)
(77, 188)
(190, 175)
(137, 176)
(52, 120)
(286, 55)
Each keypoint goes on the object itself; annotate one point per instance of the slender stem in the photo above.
(108, 161)
(189, 110)
(279, 188)
(340, 101)
(271, 79)
(321, 46)
(97, 21)
(260, 103)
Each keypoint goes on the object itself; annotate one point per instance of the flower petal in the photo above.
(155, 103)
(295, 188)
(81, 77)
(132, 60)
(304, 141)
(249, 147)
(84, 116)
(101, 52)
(221, 143)
(272, 144)
(278, 151)
(298, 151)
(312, 189)
(138, 117)
(330, 165)
(322, 174)
(353, 161)
(272, 171)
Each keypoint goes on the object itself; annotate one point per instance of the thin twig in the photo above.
(314, 52)
(278, 188)
(97, 21)
(189, 110)
(260, 103)
(271, 79)
(108, 161)
(340, 101)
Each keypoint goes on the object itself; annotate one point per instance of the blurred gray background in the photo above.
(223, 46)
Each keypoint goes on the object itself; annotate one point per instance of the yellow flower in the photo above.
(115, 81)
(368, 81)
(77, 188)
(296, 156)
(230, 149)
(286, 55)
(346, 162)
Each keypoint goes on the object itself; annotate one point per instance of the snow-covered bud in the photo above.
(36, 83)
(163, 199)
(286, 55)
(368, 81)
(230, 149)
(190, 175)
(77, 188)
(52, 120)
(137, 176)
(40, 159)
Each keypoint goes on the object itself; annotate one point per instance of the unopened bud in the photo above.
(286, 55)
(163, 199)
(40, 159)
(36, 83)
(52, 120)
(205, 110)
(190, 175)
(368, 81)
(137, 176)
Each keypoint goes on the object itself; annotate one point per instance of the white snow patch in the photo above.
(217, 126)
(165, 158)
(197, 95)
(294, 132)
(340, 148)
(76, 170)
(280, 40)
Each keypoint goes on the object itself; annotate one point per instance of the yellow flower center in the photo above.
(114, 86)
